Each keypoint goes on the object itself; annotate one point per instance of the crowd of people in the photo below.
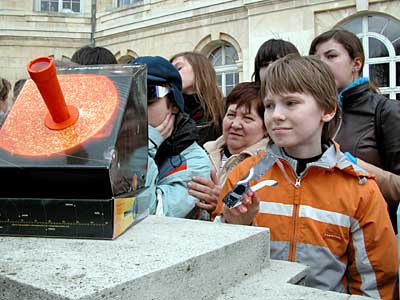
(308, 149)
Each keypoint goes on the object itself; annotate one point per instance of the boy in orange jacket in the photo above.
(322, 210)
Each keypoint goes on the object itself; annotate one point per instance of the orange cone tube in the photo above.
(43, 72)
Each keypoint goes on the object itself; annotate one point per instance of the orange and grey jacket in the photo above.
(332, 218)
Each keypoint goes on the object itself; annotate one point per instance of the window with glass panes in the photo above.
(224, 61)
(60, 5)
(380, 36)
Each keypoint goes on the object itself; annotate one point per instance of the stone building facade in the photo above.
(228, 31)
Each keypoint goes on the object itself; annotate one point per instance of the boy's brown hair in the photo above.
(304, 75)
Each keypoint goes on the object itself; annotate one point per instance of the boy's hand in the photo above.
(167, 126)
(245, 212)
(207, 191)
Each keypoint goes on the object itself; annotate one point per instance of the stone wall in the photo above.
(26, 34)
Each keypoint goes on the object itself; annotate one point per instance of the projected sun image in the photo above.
(24, 131)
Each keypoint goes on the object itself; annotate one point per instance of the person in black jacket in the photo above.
(370, 123)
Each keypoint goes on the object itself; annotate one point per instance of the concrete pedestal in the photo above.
(159, 258)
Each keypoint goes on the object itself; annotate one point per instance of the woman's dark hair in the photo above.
(247, 94)
(93, 56)
(350, 42)
(270, 51)
(347, 39)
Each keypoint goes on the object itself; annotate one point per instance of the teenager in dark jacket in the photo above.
(369, 128)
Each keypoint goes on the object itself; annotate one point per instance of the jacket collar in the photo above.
(219, 144)
(362, 82)
(184, 134)
(213, 146)
(216, 148)
(332, 158)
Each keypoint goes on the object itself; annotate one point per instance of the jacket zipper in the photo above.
(296, 206)
(297, 184)
(338, 127)
(292, 250)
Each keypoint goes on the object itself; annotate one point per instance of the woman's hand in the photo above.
(167, 126)
(207, 191)
(245, 212)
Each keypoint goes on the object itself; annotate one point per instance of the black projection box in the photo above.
(83, 181)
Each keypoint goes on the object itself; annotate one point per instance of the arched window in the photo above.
(380, 36)
(224, 60)
(125, 56)
(124, 59)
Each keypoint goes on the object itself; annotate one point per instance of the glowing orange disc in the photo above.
(24, 131)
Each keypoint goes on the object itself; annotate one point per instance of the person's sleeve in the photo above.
(155, 140)
(389, 183)
(173, 189)
(390, 118)
(372, 253)
(150, 185)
